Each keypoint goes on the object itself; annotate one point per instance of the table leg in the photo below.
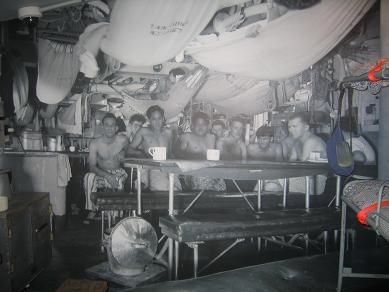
(285, 192)
(338, 190)
(259, 194)
(307, 191)
(171, 193)
(139, 191)
(195, 259)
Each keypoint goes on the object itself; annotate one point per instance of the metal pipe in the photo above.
(176, 258)
(342, 246)
(238, 240)
(285, 192)
(259, 194)
(171, 193)
(383, 134)
(243, 195)
(195, 259)
(307, 190)
(170, 259)
(338, 190)
(139, 191)
(194, 201)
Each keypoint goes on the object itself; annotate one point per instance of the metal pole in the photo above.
(383, 134)
(171, 193)
(171, 211)
(170, 259)
(195, 259)
(259, 194)
(338, 190)
(285, 192)
(342, 245)
(139, 191)
(176, 258)
(307, 190)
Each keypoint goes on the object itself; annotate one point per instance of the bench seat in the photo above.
(207, 227)
(210, 200)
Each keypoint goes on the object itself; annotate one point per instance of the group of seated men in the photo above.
(107, 151)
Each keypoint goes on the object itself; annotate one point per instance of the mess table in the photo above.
(234, 170)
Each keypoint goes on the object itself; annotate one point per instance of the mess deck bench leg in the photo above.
(139, 191)
(176, 258)
(171, 211)
(259, 209)
(195, 247)
(284, 193)
(102, 230)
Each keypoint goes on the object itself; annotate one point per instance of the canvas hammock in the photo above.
(179, 95)
(236, 94)
(58, 65)
(150, 32)
(283, 48)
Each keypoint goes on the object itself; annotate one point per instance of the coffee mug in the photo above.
(314, 155)
(158, 153)
(213, 154)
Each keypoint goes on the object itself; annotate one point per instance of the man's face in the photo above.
(156, 120)
(236, 129)
(200, 127)
(110, 128)
(217, 130)
(297, 128)
(264, 141)
(135, 126)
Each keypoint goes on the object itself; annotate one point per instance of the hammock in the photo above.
(285, 46)
(58, 66)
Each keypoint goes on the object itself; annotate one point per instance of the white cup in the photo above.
(314, 155)
(213, 154)
(3, 203)
(158, 153)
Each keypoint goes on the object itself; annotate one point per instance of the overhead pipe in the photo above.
(383, 134)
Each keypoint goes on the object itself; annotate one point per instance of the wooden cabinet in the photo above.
(25, 245)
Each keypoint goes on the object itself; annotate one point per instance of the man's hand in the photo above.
(112, 181)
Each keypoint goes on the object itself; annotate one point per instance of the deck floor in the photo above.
(76, 248)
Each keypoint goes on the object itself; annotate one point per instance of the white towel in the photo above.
(64, 170)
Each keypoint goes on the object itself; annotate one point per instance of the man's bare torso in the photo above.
(153, 139)
(196, 146)
(110, 154)
(269, 153)
(312, 144)
(230, 148)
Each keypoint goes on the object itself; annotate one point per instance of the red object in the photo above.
(377, 68)
(363, 213)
